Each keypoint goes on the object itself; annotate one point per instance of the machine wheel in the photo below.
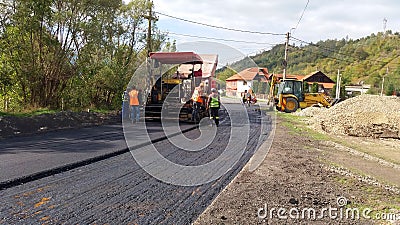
(291, 105)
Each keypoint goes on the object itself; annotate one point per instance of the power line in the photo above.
(339, 59)
(221, 39)
(321, 54)
(319, 46)
(302, 14)
(339, 53)
(220, 27)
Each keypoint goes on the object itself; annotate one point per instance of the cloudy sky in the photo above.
(322, 20)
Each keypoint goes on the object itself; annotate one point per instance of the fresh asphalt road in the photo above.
(117, 190)
(25, 156)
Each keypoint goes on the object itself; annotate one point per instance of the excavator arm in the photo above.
(271, 94)
(311, 99)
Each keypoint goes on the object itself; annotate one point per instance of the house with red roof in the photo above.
(238, 83)
(325, 84)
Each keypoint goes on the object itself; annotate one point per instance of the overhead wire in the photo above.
(319, 46)
(329, 57)
(302, 14)
(264, 33)
(221, 27)
(340, 59)
(320, 54)
(339, 53)
(219, 39)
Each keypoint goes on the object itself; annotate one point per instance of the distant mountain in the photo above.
(366, 60)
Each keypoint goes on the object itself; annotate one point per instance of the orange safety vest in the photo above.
(200, 99)
(133, 97)
(197, 95)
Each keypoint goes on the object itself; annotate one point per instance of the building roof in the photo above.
(319, 77)
(176, 57)
(234, 77)
(208, 67)
(253, 73)
(289, 76)
(327, 85)
(316, 76)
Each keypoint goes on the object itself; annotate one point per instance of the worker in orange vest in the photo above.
(198, 101)
(134, 104)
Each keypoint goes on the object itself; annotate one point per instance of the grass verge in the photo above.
(28, 113)
(35, 112)
(372, 194)
(298, 127)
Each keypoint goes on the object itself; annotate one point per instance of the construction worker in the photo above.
(244, 97)
(248, 97)
(214, 103)
(125, 105)
(198, 101)
(134, 104)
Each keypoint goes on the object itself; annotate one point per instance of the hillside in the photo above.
(364, 60)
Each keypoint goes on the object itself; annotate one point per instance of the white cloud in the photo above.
(323, 19)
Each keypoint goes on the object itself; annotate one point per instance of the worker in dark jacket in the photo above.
(214, 103)
(125, 105)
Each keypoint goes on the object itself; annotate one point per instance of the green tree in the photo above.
(314, 88)
(306, 87)
(263, 88)
(224, 73)
(83, 52)
(255, 86)
(170, 47)
(390, 90)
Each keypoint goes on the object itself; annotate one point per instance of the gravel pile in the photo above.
(310, 111)
(362, 116)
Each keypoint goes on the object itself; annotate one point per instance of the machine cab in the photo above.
(291, 87)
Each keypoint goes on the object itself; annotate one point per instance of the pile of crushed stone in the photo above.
(361, 116)
(310, 111)
(11, 126)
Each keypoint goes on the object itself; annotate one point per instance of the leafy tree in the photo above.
(79, 52)
(361, 54)
(170, 47)
(224, 73)
(263, 88)
(314, 88)
(256, 86)
(390, 89)
(306, 87)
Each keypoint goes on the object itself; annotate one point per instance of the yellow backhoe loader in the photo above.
(290, 96)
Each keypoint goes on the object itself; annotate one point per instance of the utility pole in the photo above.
(338, 85)
(384, 26)
(150, 19)
(383, 80)
(150, 79)
(286, 55)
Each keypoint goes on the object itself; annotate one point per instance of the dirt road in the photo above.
(305, 175)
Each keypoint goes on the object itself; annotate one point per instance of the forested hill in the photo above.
(364, 60)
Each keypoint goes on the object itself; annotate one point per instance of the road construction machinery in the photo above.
(173, 78)
(289, 95)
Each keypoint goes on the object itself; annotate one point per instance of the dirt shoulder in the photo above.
(306, 174)
(14, 126)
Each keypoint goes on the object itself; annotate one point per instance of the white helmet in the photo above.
(213, 90)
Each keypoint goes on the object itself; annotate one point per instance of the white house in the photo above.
(238, 83)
